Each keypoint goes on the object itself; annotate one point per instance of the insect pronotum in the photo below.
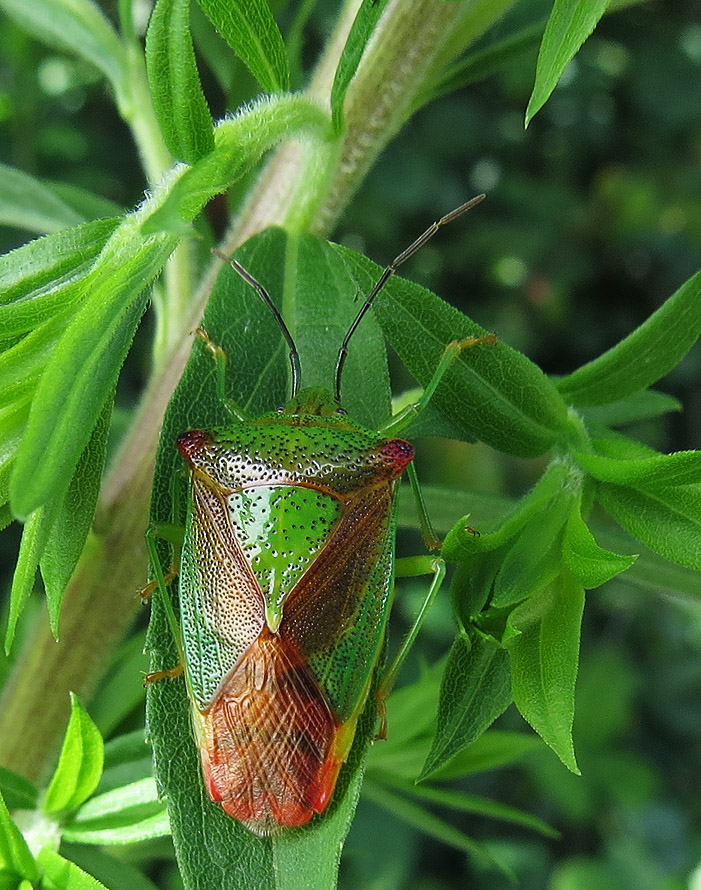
(285, 583)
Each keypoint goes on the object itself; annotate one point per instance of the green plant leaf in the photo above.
(13, 418)
(18, 793)
(472, 803)
(178, 100)
(544, 660)
(89, 205)
(666, 519)
(14, 852)
(239, 143)
(642, 405)
(569, 25)
(491, 393)
(114, 872)
(461, 544)
(72, 518)
(77, 26)
(364, 24)
(590, 564)
(43, 277)
(128, 759)
(83, 368)
(214, 850)
(650, 572)
(250, 30)
(34, 535)
(419, 817)
(124, 815)
(61, 874)
(79, 764)
(493, 749)
(534, 559)
(295, 41)
(474, 692)
(121, 692)
(644, 356)
(478, 66)
(614, 464)
(26, 203)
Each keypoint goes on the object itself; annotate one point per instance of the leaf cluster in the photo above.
(70, 810)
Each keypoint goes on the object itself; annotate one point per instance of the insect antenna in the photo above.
(265, 297)
(387, 274)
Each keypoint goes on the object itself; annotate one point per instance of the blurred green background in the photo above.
(593, 218)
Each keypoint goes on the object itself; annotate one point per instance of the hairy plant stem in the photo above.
(102, 599)
(407, 41)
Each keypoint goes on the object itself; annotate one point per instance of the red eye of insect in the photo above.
(192, 442)
(398, 452)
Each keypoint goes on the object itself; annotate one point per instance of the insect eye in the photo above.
(341, 411)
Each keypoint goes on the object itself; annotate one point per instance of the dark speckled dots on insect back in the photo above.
(285, 585)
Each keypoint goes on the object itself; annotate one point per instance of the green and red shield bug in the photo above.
(286, 578)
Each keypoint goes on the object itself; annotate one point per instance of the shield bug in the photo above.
(286, 578)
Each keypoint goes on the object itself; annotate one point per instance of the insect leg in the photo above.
(219, 357)
(173, 534)
(427, 533)
(404, 417)
(411, 567)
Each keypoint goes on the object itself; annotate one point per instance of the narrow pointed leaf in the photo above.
(62, 874)
(18, 793)
(250, 30)
(83, 368)
(461, 544)
(422, 819)
(114, 872)
(591, 564)
(26, 203)
(43, 277)
(34, 535)
(534, 559)
(14, 852)
(642, 405)
(77, 26)
(72, 518)
(544, 662)
(569, 25)
(666, 519)
(178, 100)
(478, 66)
(474, 692)
(79, 765)
(644, 356)
(680, 468)
(239, 143)
(472, 803)
(493, 749)
(360, 33)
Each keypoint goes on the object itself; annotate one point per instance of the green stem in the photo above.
(137, 110)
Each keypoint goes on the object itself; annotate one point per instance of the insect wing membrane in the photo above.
(291, 528)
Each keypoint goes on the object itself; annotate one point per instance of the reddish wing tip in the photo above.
(191, 442)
